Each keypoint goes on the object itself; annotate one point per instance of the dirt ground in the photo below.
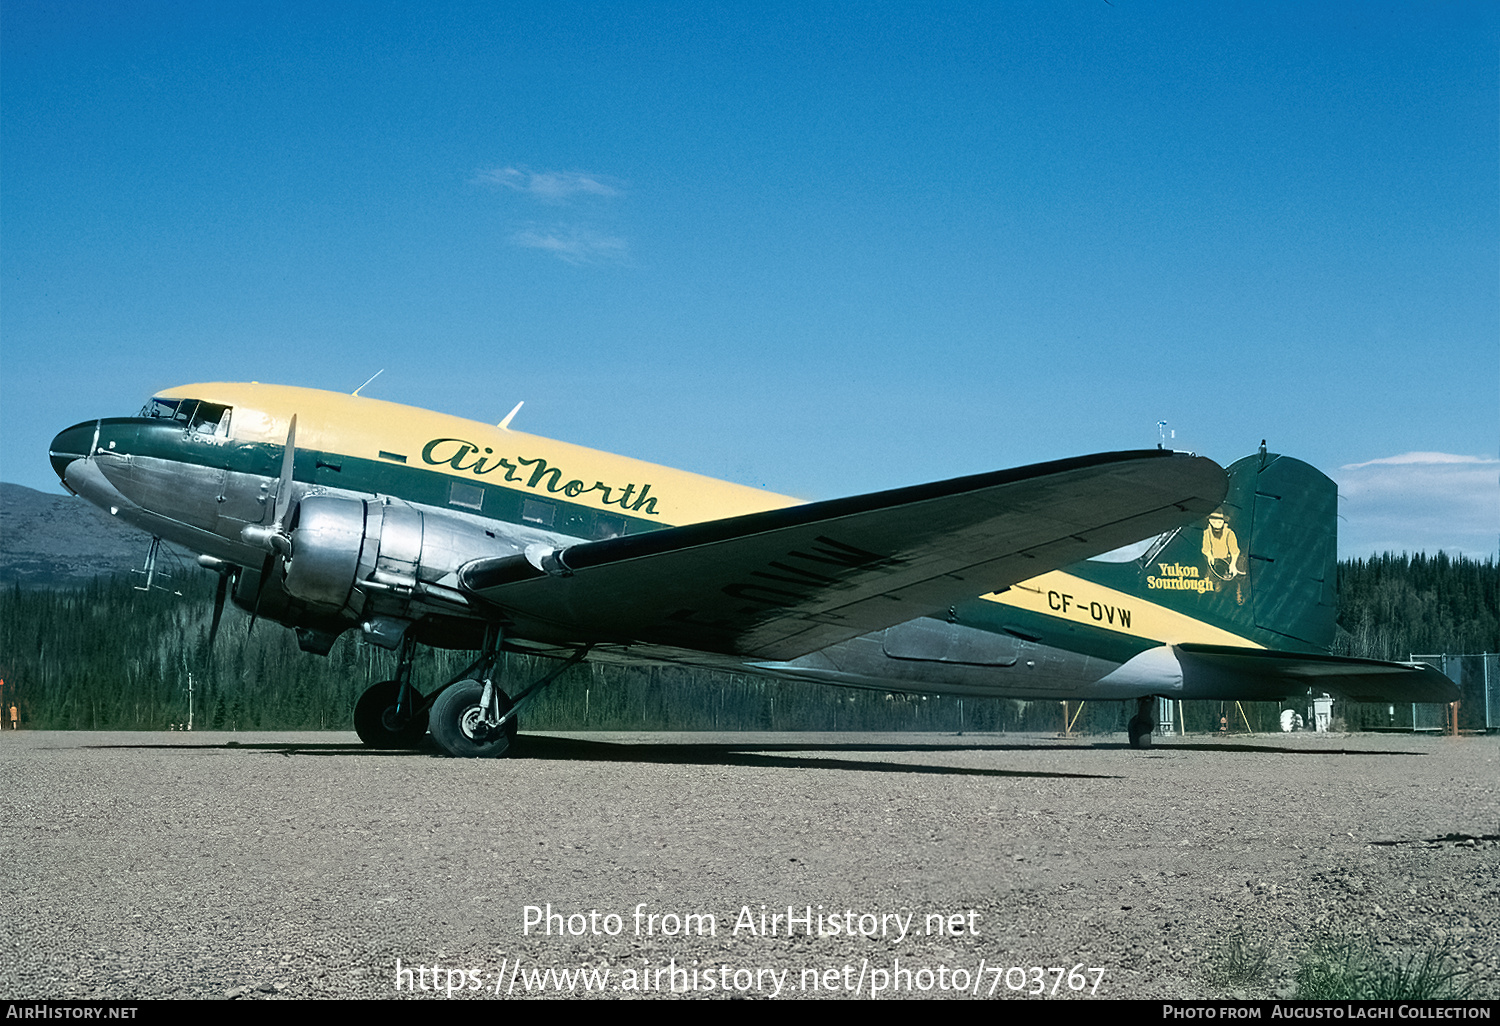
(144, 865)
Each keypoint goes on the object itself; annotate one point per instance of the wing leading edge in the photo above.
(782, 583)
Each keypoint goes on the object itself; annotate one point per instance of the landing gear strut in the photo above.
(469, 716)
(1143, 723)
(474, 719)
(393, 714)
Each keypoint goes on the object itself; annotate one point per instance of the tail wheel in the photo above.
(458, 723)
(1140, 729)
(380, 725)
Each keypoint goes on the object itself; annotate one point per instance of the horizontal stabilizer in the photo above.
(1217, 672)
(782, 583)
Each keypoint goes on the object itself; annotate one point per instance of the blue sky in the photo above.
(823, 248)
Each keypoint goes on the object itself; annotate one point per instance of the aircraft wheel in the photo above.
(457, 727)
(1140, 729)
(377, 723)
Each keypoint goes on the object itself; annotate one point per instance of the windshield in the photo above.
(158, 409)
(199, 417)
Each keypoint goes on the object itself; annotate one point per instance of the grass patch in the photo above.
(1348, 970)
(1243, 961)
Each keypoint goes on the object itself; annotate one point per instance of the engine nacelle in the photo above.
(340, 545)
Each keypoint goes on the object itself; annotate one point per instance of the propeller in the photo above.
(226, 572)
(284, 486)
(260, 589)
(219, 595)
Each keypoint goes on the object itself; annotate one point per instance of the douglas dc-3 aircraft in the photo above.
(327, 512)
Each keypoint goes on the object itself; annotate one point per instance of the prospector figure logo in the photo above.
(1221, 548)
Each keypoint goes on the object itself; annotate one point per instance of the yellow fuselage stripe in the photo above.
(371, 429)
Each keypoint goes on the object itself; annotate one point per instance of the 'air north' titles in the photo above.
(536, 474)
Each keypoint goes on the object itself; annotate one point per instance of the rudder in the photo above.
(1293, 548)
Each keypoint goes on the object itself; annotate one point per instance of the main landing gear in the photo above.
(393, 714)
(470, 717)
(472, 720)
(1143, 723)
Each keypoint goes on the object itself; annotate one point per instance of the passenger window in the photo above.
(539, 512)
(466, 495)
(606, 526)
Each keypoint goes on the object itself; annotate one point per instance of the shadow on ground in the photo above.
(814, 754)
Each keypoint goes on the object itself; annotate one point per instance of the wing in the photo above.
(782, 583)
(1212, 671)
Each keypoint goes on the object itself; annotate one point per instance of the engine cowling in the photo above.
(340, 544)
(327, 536)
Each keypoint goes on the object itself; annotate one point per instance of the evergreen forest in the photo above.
(109, 656)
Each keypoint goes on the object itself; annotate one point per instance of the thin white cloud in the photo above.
(1419, 457)
(1420, 501)
(573, 244)
(552, 187)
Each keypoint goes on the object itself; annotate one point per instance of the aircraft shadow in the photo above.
(537, 748)
(779, 754)
(559, 749)
(1248, 749)
(1473, 839)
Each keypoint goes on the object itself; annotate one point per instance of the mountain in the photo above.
(53, 540)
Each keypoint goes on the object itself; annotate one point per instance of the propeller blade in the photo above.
(260, 589)
(219, 595)
(284, 487)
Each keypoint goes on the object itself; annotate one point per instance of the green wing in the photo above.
(780, 584)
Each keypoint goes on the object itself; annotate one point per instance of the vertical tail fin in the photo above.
(1293, 548)
(1262, 566)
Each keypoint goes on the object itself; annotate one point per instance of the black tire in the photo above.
(1140, 732)
(376, 723)
(456, 728)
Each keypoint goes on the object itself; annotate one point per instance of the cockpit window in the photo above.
(210, 419)
(200, 418)
(161, 409)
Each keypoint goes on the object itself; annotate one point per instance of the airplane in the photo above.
(327, 512)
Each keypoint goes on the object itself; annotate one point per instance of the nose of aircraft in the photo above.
(71, 444)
